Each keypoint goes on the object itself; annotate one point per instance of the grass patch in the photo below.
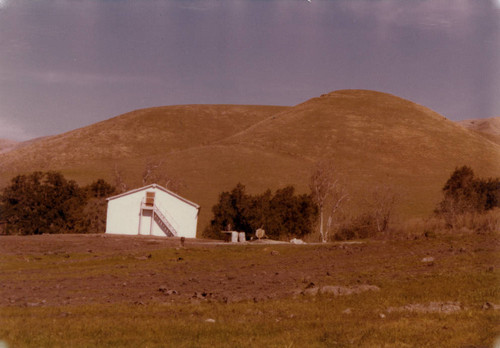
(311, 322)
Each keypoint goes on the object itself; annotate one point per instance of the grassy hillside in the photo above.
(487, 127)
(131, 139)
(374, 138)
(7, 145)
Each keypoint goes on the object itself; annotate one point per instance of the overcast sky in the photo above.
(65, 64)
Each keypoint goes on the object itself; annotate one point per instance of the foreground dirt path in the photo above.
(52, 270)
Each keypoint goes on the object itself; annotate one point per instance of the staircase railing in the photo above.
(168, 221)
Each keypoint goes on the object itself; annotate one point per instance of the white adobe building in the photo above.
(152, 210)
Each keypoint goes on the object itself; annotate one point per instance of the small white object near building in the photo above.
(236, 237)
(153, 211)
(242, 237)
(297, 241)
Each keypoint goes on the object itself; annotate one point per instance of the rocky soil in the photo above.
(53, 270)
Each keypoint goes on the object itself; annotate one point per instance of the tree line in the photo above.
(284, 215)
(46, 202)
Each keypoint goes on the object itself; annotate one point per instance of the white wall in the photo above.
(124, 213)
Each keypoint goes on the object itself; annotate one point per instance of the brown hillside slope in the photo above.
(7, 145)
(374, 138)
(131, 139)
(487, 127)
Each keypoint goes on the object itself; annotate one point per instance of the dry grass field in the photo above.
(375, 139)
(7, 145)
(102, 291)
(487, 127)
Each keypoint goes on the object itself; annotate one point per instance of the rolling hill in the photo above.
(373, 138)
(134, 137)
(487, 127)
(6, 145)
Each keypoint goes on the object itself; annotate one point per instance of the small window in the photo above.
(150, 198)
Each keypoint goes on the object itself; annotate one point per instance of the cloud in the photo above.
(430, 14)
(196, 5)
(84, 78)
(74, 78)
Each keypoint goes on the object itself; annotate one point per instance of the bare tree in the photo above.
(327, 191)
(153, 174)
(338, 196)
(120, 184)
(454, 211)
(384, 200)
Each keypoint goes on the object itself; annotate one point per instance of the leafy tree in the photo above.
(231, 213)
(41, 203)
(99, 189)
(45, 202)
(463, 193)
(489, 193)
(290, 215)
(92, 218)
(460, 190)
(258, 212)
(282, 215)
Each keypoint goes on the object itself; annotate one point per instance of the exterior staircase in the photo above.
(163, 222)
(166, 222)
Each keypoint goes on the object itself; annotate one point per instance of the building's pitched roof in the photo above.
(157, 187)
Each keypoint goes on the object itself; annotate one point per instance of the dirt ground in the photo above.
(55, 270)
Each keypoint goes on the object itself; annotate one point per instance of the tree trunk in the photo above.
(321, 232)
